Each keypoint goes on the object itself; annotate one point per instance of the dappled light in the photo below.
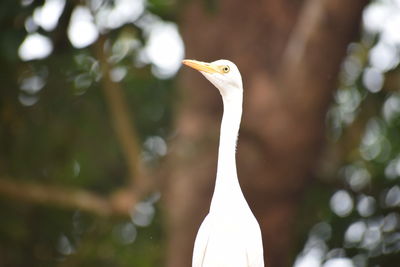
(68, 117)
(367, 206)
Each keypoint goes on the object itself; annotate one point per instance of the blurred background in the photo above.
(108, 155)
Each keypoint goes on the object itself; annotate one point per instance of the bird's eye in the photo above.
(225, 69)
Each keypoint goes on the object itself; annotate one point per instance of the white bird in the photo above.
(230, 235)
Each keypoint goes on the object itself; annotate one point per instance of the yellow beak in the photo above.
(201, 66)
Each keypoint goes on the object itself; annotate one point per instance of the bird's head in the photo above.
(222, 73)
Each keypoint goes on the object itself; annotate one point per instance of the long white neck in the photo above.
(227, 190)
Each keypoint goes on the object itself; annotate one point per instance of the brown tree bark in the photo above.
(289, 53)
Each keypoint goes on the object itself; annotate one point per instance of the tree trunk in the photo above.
(289, 53)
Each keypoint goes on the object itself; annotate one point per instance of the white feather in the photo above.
(230, 235)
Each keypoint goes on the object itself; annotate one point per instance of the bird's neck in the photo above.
(227, 189)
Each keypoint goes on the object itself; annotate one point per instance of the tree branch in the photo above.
(309, 17)
(315, 49)
(126, 135)
(68, 198)
(120, 202)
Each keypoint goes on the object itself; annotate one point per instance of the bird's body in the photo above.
(230, 234)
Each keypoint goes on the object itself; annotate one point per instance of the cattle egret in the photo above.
(230, 235)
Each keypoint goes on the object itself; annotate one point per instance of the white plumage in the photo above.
(229, 235)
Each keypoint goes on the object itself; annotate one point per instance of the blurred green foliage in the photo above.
(360, 178)
(56, 129)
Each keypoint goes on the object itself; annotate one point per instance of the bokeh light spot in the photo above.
(120, 13)
(366, 206)
(164, 49)
(125, 233)
(35, 46)
(392, 198)
(355, 232)
(373, 79)
(384, 57)
(341, 203)
(47, 16)
(64, 245)
(338, 262)
(81, 30)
